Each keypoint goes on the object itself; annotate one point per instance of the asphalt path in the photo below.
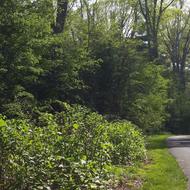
(179, 146)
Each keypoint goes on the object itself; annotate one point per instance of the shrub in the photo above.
(65, 151)
(21, 106)
(69, 151)
(128, 143)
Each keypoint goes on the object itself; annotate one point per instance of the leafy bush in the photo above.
(148, 108)
(128, 143)
(68, 150)
(180, 111)
(21, 106)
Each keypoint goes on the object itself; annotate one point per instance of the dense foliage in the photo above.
(69, 150)
(123, 60)
(88, 60)
(128, 143)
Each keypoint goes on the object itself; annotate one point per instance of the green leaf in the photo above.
(76, 126)
(2, 123)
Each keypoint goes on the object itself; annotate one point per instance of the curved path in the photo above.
(179, 146)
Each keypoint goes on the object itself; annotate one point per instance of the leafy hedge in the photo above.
(128, 143)
(67, 150)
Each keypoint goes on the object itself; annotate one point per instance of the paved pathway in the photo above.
(179, 146)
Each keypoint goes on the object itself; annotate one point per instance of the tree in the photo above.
(23, 44)
(176, 38)
(61, 9)
(152, 12)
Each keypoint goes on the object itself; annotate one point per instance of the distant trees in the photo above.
(176, 38)
(98, 53)
(152, 11)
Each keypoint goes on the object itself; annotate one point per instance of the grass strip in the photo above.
(163, 172)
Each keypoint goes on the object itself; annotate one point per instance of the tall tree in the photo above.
(152, 11)
(176, 38)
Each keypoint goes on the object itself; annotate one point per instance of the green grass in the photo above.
(163, 173)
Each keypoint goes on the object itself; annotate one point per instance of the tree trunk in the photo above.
(62, 7)
(154, 48)
(182, 79)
